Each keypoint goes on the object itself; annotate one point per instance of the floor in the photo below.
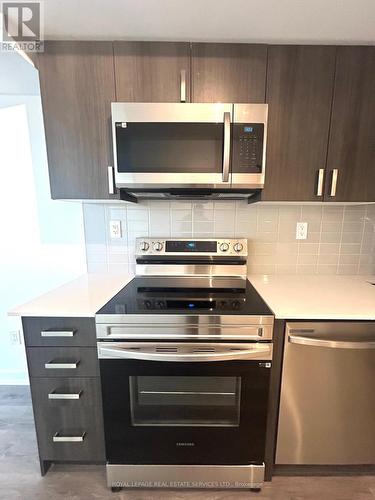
(20, 477)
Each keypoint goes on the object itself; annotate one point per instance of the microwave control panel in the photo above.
(247, 147)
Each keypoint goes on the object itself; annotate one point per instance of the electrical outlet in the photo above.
(301, 231)
(115, 230)
(15, 337)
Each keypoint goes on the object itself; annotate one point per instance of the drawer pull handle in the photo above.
(57, 333)
(66, 395)
(53, 365)
(68, 439)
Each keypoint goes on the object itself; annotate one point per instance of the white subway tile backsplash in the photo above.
(180, 227)
(341, 239)
(203, 214)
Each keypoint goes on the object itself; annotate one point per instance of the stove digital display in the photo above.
(191, 246)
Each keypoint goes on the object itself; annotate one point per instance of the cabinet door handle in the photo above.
(183, 85)
(62, 395)
(111, 181)
(226, 152)
(335, 174)
(57, 333)
(57, 438)
(53, 365)
(319, 190)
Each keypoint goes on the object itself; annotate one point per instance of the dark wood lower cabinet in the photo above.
(66, 398)
(274, 397)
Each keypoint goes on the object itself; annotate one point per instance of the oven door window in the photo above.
(185, 401)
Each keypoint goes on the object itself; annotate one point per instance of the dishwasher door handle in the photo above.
(331, 343)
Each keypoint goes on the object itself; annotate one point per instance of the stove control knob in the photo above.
(157, 246)
(144, 246)
(238, 247)
(224, 247)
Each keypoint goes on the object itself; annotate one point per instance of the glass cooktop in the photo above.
(140, 296)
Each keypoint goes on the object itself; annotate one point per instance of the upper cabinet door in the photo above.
(152, 71)
(224, 72)
(299, 97)
(351, 154)
(77, 87)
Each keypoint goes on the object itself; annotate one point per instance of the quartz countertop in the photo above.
(82, 297)
(308, 297)
(314, 297)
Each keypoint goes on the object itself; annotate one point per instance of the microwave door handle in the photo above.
(250, 352)
(226, 150)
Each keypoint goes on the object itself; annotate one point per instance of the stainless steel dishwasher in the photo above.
(327, 407)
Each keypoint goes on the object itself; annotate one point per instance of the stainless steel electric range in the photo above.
(185, 355)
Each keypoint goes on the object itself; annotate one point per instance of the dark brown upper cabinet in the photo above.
(224, 72)
(152, 71)
(77, 87)
(352, 137)
(299, 95)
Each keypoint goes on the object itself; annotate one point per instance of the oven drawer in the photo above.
(69, 394)
(71, 434)
(59, 331)
(63, 361)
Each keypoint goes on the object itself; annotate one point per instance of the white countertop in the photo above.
(82, 297)
(288, 296)
(317, 297)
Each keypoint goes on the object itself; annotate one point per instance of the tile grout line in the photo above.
(341, 237)
(362, 239)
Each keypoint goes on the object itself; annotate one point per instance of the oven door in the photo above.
(171, 145)
(186, 403)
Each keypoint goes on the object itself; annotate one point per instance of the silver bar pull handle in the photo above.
(226, 150)
(335, 174)
(57, 333)
(333, 344)
(183, 85)
(56, 365)
(319, 190)
(58, 438)
(111, 181)
(64, 395)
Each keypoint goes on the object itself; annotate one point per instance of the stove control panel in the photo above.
(181, 246)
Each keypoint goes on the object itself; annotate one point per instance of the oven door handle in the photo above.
(185, 352)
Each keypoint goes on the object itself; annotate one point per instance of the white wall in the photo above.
(42, 243)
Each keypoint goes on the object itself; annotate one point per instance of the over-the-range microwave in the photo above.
(180, 150)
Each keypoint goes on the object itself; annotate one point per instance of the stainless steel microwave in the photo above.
(188, 150)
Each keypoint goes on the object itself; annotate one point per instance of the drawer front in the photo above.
(72, 435)
(59, 331)
(62, 361)
(67, 394)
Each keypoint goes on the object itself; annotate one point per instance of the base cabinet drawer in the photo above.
(70, 435)
(62, 361)
(69, 394)
(59, 331)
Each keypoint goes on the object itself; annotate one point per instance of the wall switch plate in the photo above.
(15, 337)
(115, 230)
(301, 231)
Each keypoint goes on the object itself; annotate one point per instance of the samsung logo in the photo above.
(185, 444)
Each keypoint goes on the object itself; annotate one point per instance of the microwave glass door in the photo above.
(184, 413)
(169, 147)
